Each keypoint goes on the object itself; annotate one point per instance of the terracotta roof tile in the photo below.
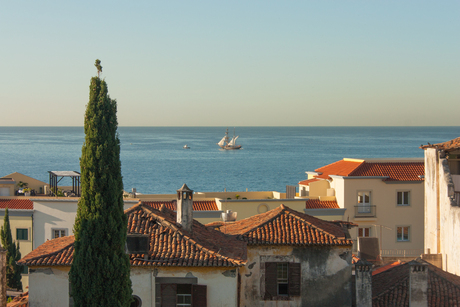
(170, 245)
(396, 171)
(321, 204)
(284, 226)
(391, 287)
(16, 203)
(339, 168)
(448, 146)
(21, 300)
(386, 267)
(198, 205)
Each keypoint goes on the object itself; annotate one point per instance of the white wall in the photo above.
(49, 287)
(57, 213)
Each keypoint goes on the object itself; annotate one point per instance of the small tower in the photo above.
(184, 215)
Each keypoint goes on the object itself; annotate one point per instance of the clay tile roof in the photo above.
(284, 226)
(308, 181)
(395, 171)
(447, 146)
(170, 245)
(391, 287)
(198, 205)
(23, 204)
(321, 204)
(386, 267)
(21, 300)
(339, 168)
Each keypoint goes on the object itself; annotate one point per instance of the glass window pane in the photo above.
(400, 198)
(406, 198)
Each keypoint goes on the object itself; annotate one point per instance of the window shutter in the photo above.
(168, 295)
(199, 298)
(271, 285)
(294, 279)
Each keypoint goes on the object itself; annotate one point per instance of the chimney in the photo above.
(184, 215)
(363, 283)
(418, 284)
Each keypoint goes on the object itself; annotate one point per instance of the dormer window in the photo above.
(137, 244)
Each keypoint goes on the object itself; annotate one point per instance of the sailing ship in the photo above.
(228, 144)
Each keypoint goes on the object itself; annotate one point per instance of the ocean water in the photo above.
(153, 160)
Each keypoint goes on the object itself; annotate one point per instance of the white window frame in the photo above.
(403, 198)
(58, 229)
(398, 239)
(364, 232)
(364, 207)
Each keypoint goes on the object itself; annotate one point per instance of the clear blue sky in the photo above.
(233, 63)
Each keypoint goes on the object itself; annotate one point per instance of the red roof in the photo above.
(198, 205)
(391, 287)
(15, 203)
(318, 204)
(386, 267)
(284, 226)
(395, 171)
(170, 244)
(308, 181)
(339, 168)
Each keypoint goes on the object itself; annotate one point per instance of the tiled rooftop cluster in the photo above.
(198, 205)
(169, 244)
(15, 203)
(391, 287)
(284, 226)
(21, 300)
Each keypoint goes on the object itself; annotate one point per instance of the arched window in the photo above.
(137, 301)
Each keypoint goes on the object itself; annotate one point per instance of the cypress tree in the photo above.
(100, 269)
(13, 272)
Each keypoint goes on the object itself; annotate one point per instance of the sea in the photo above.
(155, 162)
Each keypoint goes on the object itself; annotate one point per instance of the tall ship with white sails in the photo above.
(227, 143)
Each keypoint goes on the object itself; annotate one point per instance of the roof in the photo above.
(21, 300)
(321, 204)
(447, 146)
(170, 245)
(198, 205)
(16, 203)
(284, 226)
(394, 171)
(308, 181)
(391, 287)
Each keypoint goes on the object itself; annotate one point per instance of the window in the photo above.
(282, 280)
(402, 198)
(24, 269)
(179, 292)
(22, 234)
(402, 233)
(364, 201)
(364, 232)
(58, 233)
(137, 302)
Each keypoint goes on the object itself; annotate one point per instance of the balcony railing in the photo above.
(365, 211)
(401, 252)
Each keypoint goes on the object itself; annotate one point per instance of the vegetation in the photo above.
(100, 270)
(13, 271)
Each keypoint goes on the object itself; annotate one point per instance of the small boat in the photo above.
(186, 147)
(228, 144)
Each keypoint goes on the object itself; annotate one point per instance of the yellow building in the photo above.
(10, 185)
(385, 197)
(20, 212)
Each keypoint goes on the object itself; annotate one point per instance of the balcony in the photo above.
(365, 211)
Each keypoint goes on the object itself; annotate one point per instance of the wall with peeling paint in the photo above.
(325, 275)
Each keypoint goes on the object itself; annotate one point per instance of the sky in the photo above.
(233, 63)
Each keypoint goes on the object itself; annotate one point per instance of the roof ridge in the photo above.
(52, 253)
(316, 227)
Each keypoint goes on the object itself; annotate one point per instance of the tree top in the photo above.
(98, 66)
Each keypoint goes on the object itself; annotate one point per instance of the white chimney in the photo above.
(418, 284)
(184, 216)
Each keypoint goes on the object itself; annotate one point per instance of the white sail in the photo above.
(232, 142)
(222, 142)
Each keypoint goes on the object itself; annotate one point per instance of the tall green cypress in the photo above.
(13, 271)
(100, 270)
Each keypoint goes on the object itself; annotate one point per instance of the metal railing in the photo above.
(401, 252)
(365, 211)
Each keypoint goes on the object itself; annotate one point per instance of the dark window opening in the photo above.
(137, 302)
